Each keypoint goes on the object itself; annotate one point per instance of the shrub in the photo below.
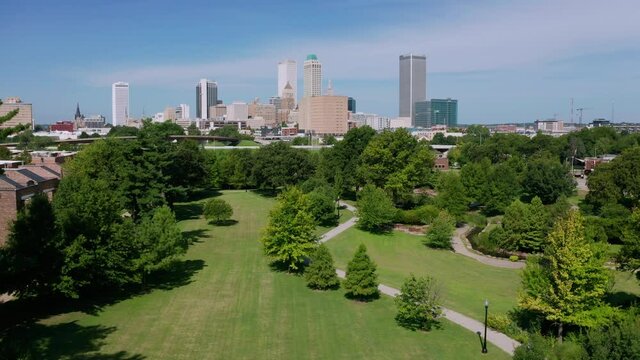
(536, 348)
(439, 234)
(514, 258)
(408, 217)
(427, 213)
(476, 219)
(506, 325)
(321, 273)
(418, 303)
(217, 210)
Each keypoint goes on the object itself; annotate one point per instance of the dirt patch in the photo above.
(411, 229)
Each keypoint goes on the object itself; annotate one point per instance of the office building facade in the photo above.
(351, 105)
(23, 117)
(444, 112)
(324, 115)
(206, 96)
(120, 103)
(422, 114)
(413, 83)
(312, 76)
(288, 73)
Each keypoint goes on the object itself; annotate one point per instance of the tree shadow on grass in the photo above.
(268, 193)
(23, 311)
(622, 299)
(188, 211)
(66, 340)
(363, 299)
(282, 267)
(194, 236)
(229, 222)
(202, 194)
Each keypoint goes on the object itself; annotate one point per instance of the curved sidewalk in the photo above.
(498, 339)
(460, 247)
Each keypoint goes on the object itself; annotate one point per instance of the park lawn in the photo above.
(466, 282)
(344, 216)
(247, 143)
(235, 307)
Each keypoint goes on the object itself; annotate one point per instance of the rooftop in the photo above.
(312, 57)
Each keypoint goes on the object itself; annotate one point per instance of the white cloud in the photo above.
(521, 33)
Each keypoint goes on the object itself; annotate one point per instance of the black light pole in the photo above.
(486, 312)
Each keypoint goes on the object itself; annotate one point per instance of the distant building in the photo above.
(94, 121)
(549, 126)
(324, 115)
(219, 110)
(266, 111)
(183, 112)
(374, 121)
(120, 103)
(444, 112)
(312, 76)
(206, 96)
(67, 126)
(505, 129)
(23, 117)
(288, 99)
(237, 111)
(288, 74)
(600, 123)
(351, 105)
(170, 114)
(422, 114)
(413, 83)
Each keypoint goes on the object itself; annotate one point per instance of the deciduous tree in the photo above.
(375, 209)
(419, 303)
(217, 210)
(440, 232)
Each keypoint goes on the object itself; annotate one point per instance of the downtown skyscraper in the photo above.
(312, 76)
(288, 73)
(413, 84)
(206, 97)
(119, 103)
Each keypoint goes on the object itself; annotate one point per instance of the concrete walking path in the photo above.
(459, 244)
(498, 339)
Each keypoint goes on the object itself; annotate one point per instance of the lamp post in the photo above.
(486, 312)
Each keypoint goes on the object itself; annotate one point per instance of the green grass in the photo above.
(247, 143)
(344, 216)
(466, 282)
(236, 307)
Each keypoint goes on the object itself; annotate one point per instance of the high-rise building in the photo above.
(324, 115)
(312, 76)
(422, 114)
(351, 105)
(237, 111)
(183, 110)
(288, 73)
(413, 83)
(120, 103)
(206, 96)
(444, 112)
(23, 117)
(170, 114)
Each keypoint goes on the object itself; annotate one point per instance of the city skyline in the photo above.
(486, 56)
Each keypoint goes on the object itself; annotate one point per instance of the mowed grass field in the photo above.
(235, 306)
(466, 282)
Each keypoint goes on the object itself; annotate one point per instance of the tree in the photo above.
(30, 260)
(568, 283)
(321, 273)
(184, 165)
(323, 205)
(619, 340)
(375, 209)
(501, 190)
(193, 130)
(279, 164)
(290, 236)
(361, 278)
(451, 194)
(616, 182)
(547, 179)
(440, 232)
(629, 256)
(418, 303)
(525, 226)
(217, 210)
(159, 241)
(4, 133)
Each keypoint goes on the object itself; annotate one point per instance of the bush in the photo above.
(407, 217)
(427, 213)
(514, 258)
(418, 303)
(620, 340)
(217, 210)
(536, 348)
(506, 325)
(439, 234)
(321, 273)
(476, 219)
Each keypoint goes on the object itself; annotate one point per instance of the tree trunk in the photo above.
(560, 333)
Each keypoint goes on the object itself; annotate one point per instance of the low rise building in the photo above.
(62, 126)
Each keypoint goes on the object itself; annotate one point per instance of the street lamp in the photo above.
(486, 312)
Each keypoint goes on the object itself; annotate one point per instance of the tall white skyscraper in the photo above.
(288, 72)
(206, 97)
(312, 76)
(119, 103)
(184, 111)
(413, 83)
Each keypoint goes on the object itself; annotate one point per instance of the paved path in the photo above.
(498, 339)
(459, 244)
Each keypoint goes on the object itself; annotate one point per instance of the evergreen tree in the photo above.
(568, 283)
(418, 303)
(361, 280)
(321, 273)
(290, 236)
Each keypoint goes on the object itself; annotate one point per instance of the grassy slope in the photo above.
(235, 307)
(466, 282)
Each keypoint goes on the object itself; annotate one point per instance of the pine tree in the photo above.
(321, 274)
(361, 280)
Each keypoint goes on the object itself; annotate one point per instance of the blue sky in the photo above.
(506, 61)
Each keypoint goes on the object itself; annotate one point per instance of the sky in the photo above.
(504, 60)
